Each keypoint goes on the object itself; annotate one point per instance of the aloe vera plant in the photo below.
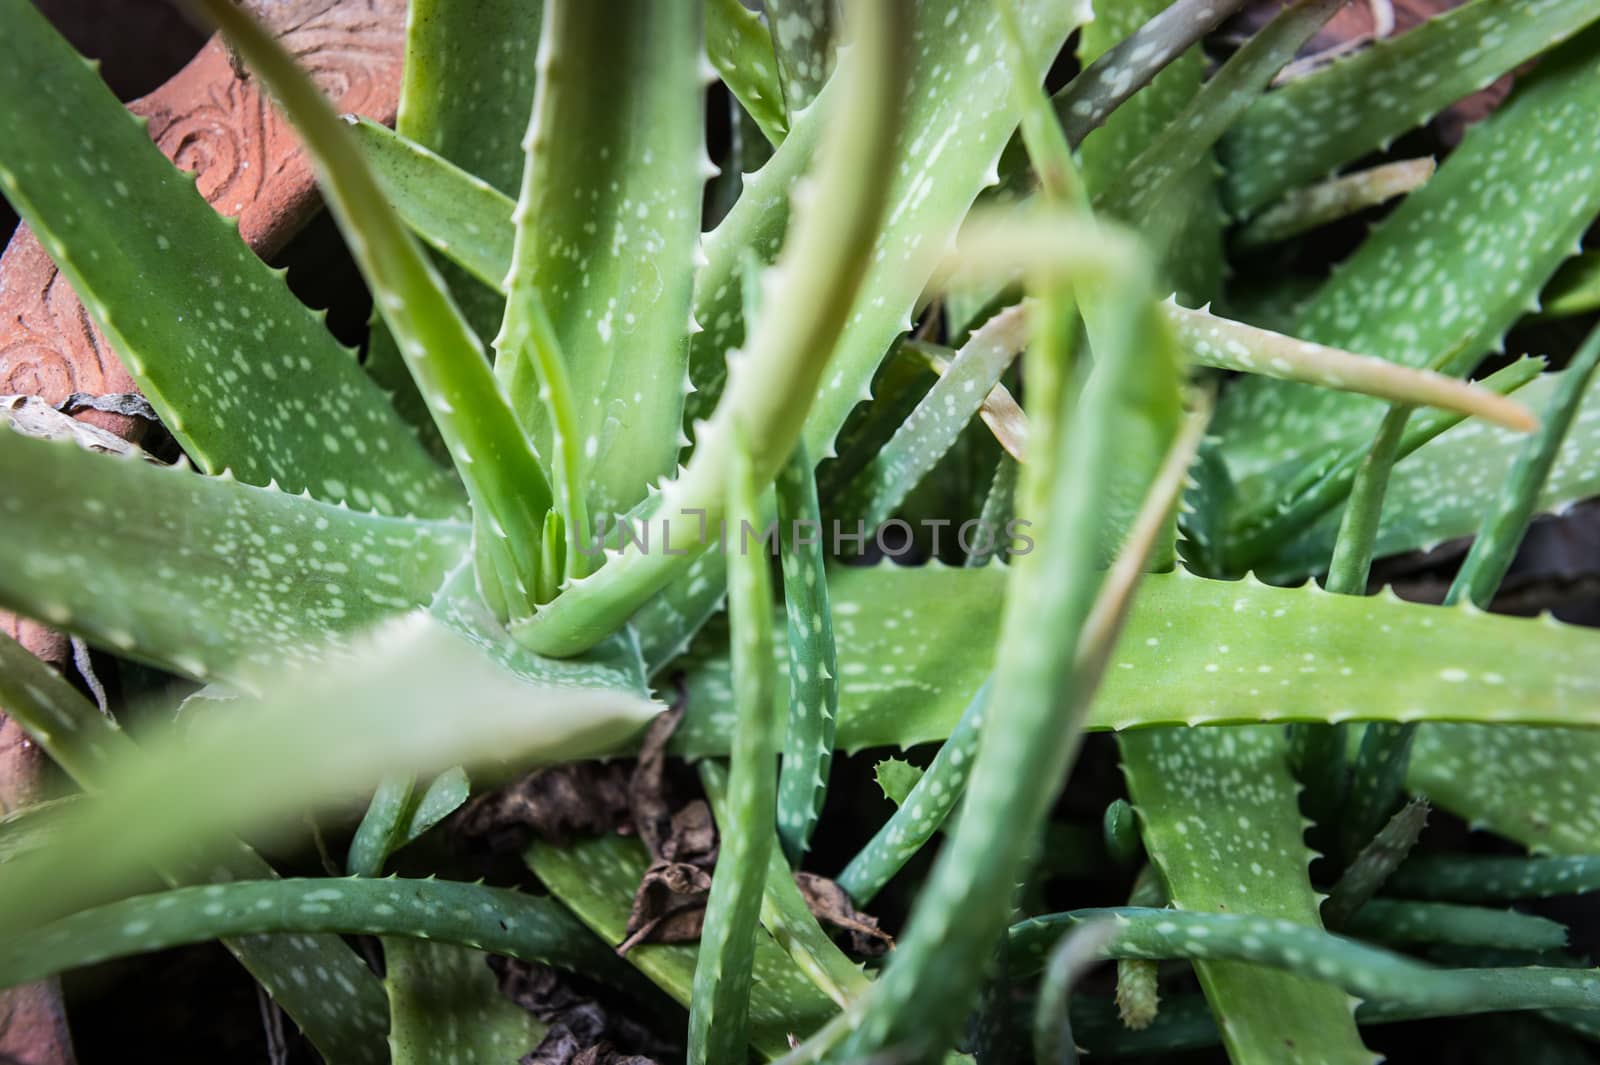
(601, 398)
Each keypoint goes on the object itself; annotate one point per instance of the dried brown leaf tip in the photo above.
(669, 906)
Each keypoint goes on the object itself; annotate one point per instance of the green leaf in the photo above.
(1331, 963)
(825, 260)
(460, 216)
(446, 1005)
(739, 47)
(508, 489)
(398, 815)
(324, 735)
(1221, 823)
(787, 917)
(802, 39)
(1574, 290)
(1303, 210)
(318, 980)
(200, 575)
(596, 878)
(242, 374)
(475, 123)
(1187, 140)
(499, 920)
(1400, 923)
(932, 429)
(1532, 785)
(1481, 878)
(607, 227)
(719, 1008)
(909, 682)
(813, 658)
(896, 777)
(1315, 124)
(1455, 246)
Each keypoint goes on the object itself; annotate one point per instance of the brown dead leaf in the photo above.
(555, 805)
(669, 906)
(832, 907)
(582, 1031)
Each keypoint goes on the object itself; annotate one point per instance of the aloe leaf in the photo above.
(1042, 682)
(1312, 126)
(785, 915)
(398, 815)
(1437, 664)
(1287, 530)
(1221, 824)
(245, 576)
(459, 215)
(500, 920)
(824, 262)
(503, 477)
(1227, 345)
(957, 117)
(813, 659)
(1072, 956)
(741, 50)
(720, 1004)
(1189, 220)
(1120, 71)
(1331, 962)
(802, 39)
(1187, 141)
(1400, 923)
(1481, 878)
(1505, 525)
(933, 427)
(1531, 785)
(318, 980)
(472, 122)
(1302, 210)
(999, 507)
(595, 879)
(1446, 248)
(322, 735)
(446, 1005)
(243, 375)
(921, 812)
(1574, 290)
(1374, 864)
(379, 831)
(613, 266)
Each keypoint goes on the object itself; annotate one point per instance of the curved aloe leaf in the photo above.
(1312, 126)
(504, 480)
(595, 879)
(1333, 962)
(318, 980)
(243, 375)
(1480, 878)
(608, 222)
(244, 577)
(484, 918)
(323, 735)
(1221, 823)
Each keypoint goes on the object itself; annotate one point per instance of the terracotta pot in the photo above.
(209, 120)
